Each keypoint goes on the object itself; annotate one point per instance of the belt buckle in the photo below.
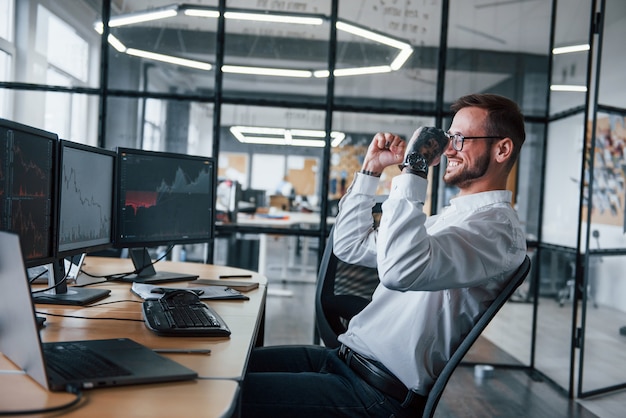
(343, 351)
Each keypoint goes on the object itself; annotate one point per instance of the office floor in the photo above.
(508, 393)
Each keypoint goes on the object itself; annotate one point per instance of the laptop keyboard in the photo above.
(74, 361)
(183, 318)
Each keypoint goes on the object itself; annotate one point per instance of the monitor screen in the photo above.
(86, 187)
(84, 207)
(27, 172)
(163, 198)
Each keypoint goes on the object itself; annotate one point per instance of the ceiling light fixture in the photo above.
(113, 41)
(276, 18)
(169, 59)
(342, 72)
(567, 87)
(372, 36)
(201, 13)
(280, 136)
(570, 49)
(281, 72)
(405, 49)
(132, 18)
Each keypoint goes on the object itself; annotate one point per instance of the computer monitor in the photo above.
(163, 198)
(251, 200)
(85, 201)
(27, 194)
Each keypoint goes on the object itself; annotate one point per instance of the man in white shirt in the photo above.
(437, 274)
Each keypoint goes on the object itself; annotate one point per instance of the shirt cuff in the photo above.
(410, 187)
(365, 184)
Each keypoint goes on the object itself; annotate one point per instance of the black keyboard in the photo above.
(181, 313)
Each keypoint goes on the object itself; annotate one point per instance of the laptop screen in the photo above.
(19, 338)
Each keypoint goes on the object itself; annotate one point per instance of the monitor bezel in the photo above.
(86, 249)
(51, 236)
(137, 243)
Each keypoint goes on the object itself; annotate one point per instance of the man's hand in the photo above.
(385, 149)
(429, 142)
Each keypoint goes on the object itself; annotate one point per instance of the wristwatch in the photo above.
(415, 164)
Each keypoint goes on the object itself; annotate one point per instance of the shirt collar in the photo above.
(477, 200)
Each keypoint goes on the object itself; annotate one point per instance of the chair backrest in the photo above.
(343, 290)
(442, 380)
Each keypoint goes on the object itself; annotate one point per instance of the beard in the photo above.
(465, 176)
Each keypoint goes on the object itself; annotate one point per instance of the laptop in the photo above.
(21, 343)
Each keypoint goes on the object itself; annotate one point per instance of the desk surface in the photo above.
(213, 394)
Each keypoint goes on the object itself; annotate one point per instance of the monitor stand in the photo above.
(146, 272)
(63, 294)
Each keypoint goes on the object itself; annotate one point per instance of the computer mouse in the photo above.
(161, 290)
(181, 296)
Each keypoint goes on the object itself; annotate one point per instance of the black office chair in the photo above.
(442, 380)
(343, 290)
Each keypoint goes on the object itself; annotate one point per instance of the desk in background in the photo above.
(214, 394)
(284, 220)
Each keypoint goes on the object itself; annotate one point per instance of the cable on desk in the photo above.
(31, 281)
(62, 281)
(68, 389)
(87, 317)
(118, 276)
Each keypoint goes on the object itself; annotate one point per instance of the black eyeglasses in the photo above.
(457, 139)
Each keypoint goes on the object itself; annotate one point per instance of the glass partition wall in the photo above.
(286, 95)
(600, 289)
(581, 314)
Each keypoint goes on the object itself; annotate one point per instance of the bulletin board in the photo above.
(233, 166)
(302, 174)
(608, 192)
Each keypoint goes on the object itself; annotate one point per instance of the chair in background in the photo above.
(442, 380)
(343, 290)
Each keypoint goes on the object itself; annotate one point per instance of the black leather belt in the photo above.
(377, 376)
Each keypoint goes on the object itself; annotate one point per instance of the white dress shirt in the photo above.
(437, 273)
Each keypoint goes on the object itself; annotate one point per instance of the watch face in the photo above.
(416, 162)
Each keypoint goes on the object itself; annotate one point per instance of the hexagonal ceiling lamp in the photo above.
(404, 48)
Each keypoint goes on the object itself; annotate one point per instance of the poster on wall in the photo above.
(609, 172)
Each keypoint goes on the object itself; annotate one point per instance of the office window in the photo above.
(153, 125)
(61, 45)
(7, 50)
(56, 36)
(286, 59)
(5, 68)
(6, 19)
(66, 114)
(72, 116)
(387, 54)
(172, 49)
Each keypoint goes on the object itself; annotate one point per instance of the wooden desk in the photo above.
(213, 394)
